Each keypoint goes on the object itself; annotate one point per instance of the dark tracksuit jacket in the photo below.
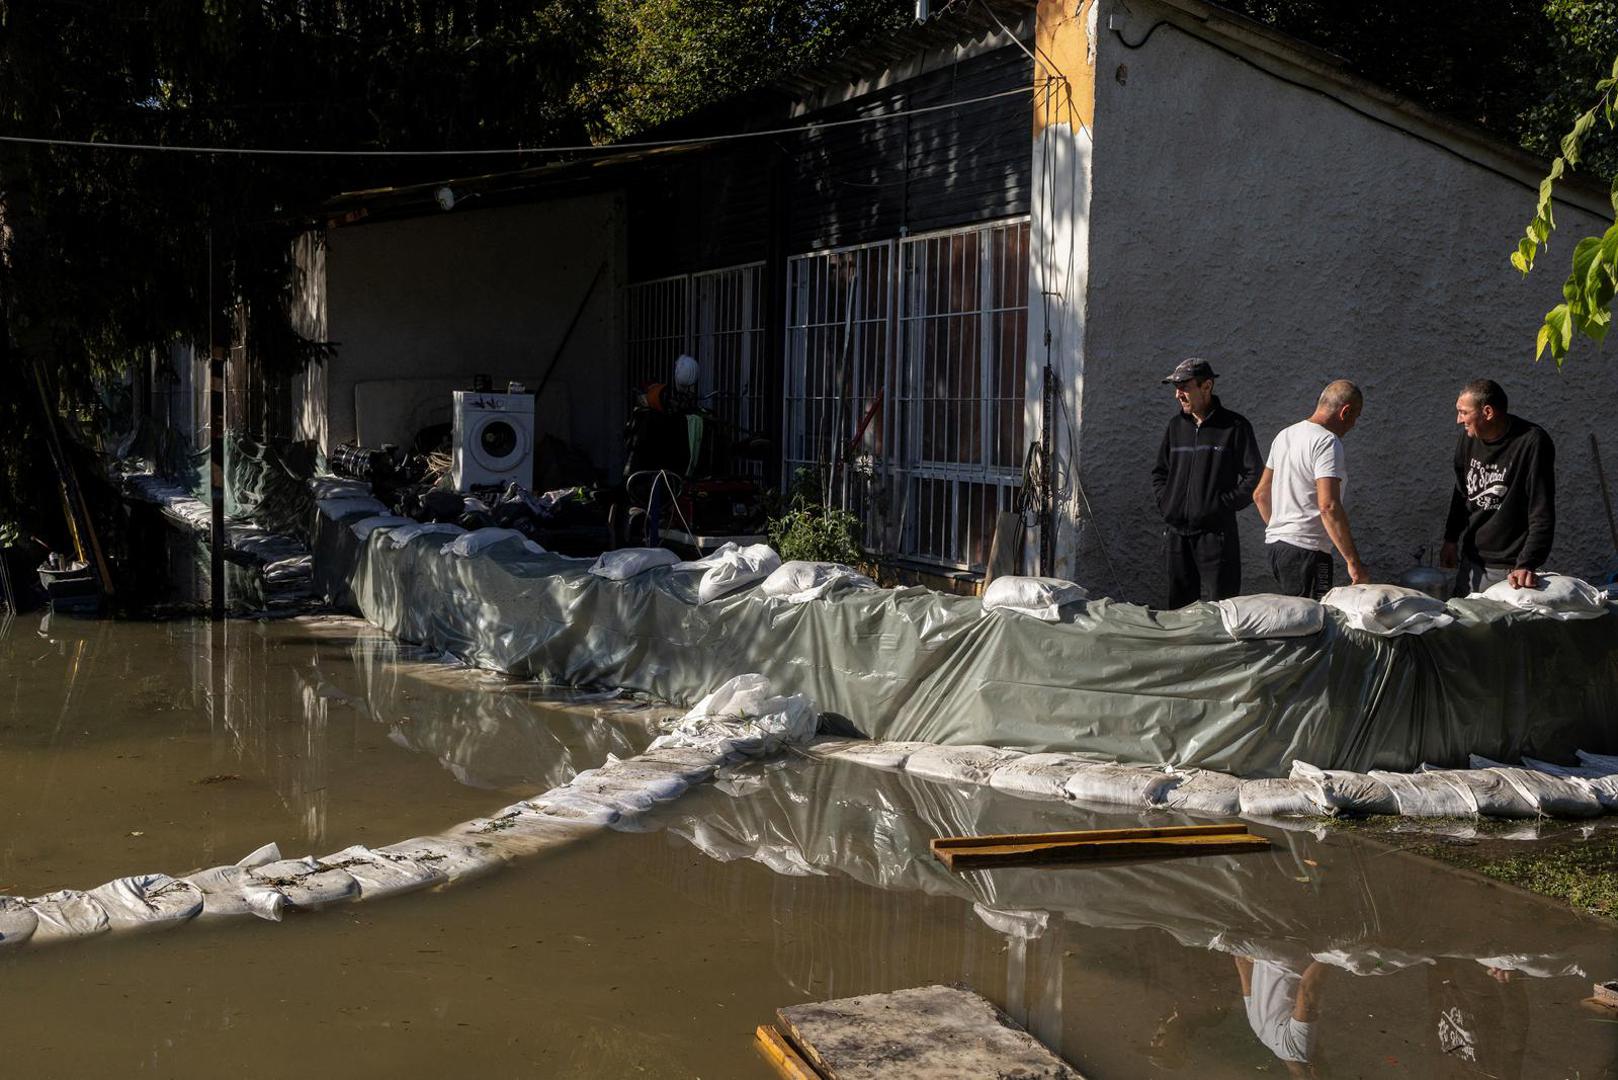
(1503, 510)
(1204, 475)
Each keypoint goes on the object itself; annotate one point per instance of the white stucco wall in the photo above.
(421, 305)
(1291, 241)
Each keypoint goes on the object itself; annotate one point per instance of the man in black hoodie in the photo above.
(1502, 514)
(1206, 471)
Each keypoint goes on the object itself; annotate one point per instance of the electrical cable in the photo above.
(644, 144)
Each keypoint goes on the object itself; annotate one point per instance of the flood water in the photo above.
(131, 748)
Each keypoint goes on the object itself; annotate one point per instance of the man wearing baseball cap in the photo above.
(1206, 470)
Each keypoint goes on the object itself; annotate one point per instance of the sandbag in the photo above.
(571, 805)
(1555, 597)
(625, 563)
(1428, 794)
(663, 780)
(1494, 797)
(731, 568)
(306, 884)
(1388, 609)
(1037, 597)
(519, 831)
(1552, 796)
(1348, 792)
(1203, 791)
(364, 527)
(336, 509)
(228, 891)
(1604, 788)
(1283, 797)
(398, 538)
(338, 487)
(478, 541)
(631, 795)
(1042, 776)
(67, 914)
(694, 766)
(17, 921)
(798, 582)
(1267, 615)
(959, 764)
(872, 752)
(1118, 785)
(455, 860)
(379, 875)
(148, 902)
(743, 716)
(1606, 763)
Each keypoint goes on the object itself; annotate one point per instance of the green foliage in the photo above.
(1587, 295)
(658, 60)
(812, 532)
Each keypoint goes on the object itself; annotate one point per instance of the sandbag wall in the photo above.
(1110, 680)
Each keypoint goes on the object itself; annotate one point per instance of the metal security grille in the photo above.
(839, 370)
(905, 385)
(658, 314)
(718, 317)
(963, 328)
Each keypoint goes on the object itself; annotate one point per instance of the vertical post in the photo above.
(1047, 474)
(216, 443)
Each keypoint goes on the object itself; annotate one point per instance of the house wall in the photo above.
(1292, 239)
(417, 307)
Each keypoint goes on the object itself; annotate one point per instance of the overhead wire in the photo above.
(608, 148)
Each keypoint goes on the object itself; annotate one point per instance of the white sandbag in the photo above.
(798, 581)
(571, 805)
(478, 541)
(520, 831)
(1428, 794)
(67, 914)
(1041, 776)
(1555, 597)
(625, 563)
(628, 794)
(1494, 797)
(229, 891)
(1038, 597)
(364, 527)
(1119, 785)
(306, 884)
(17, 921)
(694, 766)
(334, 509)
(338, 487)
(379, 875)
(1581, 771)
(875, 753)
(743, 717)
(457, 861)
(959, 764)
(1606, 763)
(663, 781)
(398, 538)
(1604, 788)
(1267, 615)
(1348, 792)
(731, 568)
(148, 902)
(1282, 797)
(1203, 791)
(1388, 609)
(1552, 796)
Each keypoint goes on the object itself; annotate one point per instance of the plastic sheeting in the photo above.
(1109, 680)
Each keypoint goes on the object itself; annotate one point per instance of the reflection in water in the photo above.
(1314, 933)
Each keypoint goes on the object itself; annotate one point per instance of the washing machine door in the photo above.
(498, 442)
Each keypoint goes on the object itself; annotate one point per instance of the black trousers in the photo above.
(1300, 571)
(1203, 564)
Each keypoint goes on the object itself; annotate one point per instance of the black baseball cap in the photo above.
(1192, 367)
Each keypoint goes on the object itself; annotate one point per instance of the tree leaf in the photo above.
(1573, 141)
(1585, 254)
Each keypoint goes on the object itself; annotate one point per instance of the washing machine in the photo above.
(494, 439)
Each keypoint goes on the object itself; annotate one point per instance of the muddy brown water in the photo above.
(129, 748)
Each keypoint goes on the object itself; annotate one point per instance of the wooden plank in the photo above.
(1139, 833)
(1156, 847)
(928, 1033)
(782, 1055)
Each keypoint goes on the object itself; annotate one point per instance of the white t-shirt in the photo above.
(1300, 455)
(1274, 994)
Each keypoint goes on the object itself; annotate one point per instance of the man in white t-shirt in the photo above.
(1300, 496)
